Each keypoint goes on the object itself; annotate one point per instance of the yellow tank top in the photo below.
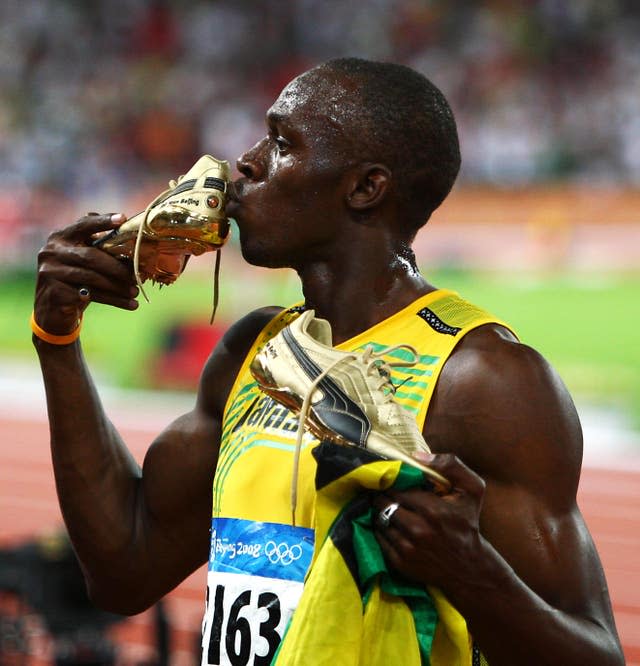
(253, 476)
(252, 484)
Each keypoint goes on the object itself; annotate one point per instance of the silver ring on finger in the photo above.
(384, 517)
(84, 293)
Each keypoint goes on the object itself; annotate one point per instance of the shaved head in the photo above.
(391, 114)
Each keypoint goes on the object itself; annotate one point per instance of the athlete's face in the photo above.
(290, 193)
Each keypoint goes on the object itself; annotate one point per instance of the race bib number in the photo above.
(254, 583)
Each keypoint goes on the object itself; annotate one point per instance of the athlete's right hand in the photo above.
(67, 262)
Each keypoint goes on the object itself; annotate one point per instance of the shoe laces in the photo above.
(136, 250)
(377, 368)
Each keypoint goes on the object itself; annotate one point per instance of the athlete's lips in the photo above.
(233, 190)
(231, 207)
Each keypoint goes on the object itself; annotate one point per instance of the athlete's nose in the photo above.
(250, 164)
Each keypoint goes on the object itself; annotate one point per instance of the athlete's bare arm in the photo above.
(138, 531)
(509, 546)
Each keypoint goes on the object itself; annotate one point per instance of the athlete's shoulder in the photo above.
(492, 349)
(241, 335)
(490, 364)
(502, 408)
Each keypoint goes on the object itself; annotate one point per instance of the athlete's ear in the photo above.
(367, 186)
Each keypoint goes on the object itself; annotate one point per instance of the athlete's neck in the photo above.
(356, 292)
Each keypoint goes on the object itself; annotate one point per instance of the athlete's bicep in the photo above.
(504, 411)
(550, 549)
(174, 500)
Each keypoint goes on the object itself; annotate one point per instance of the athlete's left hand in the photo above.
(434, 539)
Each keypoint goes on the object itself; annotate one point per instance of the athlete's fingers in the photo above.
(394, 545)
(72, 300)
(82, 276)
(84, 229)
(461, 477)
(58, 256)
(108, 298)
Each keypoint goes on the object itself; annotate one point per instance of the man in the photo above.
(356, 157)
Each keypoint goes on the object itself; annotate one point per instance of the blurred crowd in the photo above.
(103, 101)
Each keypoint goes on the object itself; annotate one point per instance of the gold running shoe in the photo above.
(187, 218)
(344, 397)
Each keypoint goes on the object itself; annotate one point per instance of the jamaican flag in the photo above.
(353, 610)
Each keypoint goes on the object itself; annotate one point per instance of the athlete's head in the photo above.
(349, 141)
(396, 115)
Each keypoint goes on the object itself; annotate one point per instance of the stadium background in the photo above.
(104, 102)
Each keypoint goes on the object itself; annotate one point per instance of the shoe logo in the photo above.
(282, 553)
(183, 187)
(212, 201)
(336, 409)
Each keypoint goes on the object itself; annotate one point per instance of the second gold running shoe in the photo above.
(344, 397)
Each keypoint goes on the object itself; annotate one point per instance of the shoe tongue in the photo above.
(320, 330)
(203, 162)
(197, 168)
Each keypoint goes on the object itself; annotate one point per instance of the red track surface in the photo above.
(610, 500)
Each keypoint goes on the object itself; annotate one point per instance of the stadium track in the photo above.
(609, 496)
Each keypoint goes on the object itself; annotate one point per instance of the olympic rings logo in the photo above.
(282, 553)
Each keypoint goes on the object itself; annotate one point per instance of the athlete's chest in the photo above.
(256, 465)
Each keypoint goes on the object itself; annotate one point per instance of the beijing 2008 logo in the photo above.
(282, 553)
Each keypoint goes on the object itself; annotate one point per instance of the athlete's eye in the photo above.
(282, 144)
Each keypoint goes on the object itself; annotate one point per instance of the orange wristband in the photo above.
(55, 339)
